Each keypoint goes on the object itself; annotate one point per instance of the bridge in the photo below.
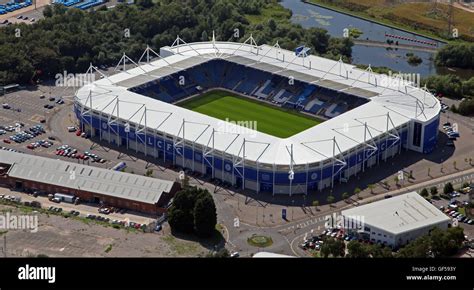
(373, 43)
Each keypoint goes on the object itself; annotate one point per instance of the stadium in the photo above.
(318, 121)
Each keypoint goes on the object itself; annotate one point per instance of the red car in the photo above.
(29, 146)
(7, 141)
(78, 133)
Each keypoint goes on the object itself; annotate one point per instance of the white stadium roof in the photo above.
(399, 214)
(401, 103)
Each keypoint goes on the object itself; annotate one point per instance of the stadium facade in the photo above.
(378, 116)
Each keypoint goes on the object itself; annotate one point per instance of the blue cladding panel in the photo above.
(188, 153)
(218, 163)
(430, 136)
(299, 178)
(250, 174)
(169, 147)
(197, 156)
(281, 178)
(159, 143)
(314, 176)
(266, 176)
(150, 141)
(327, 172)
(228, 166)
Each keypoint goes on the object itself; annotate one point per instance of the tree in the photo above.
(434, 191)
(371, 187)
(357, 191)
(418, 248)
(454, 164)
(204, 36)
(446, 243)
(330, 199)
(315, 203)
(222, 253)
(357, 250)
(429, 171)
(48, 11)
(424, 192)
(182, 213)
(448, 188)
(205, 216)
(345, 195)
(333, 247)
(396, 179)
(379, 251)
(145, 3)
(149, 172)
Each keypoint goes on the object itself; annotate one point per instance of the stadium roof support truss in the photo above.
(93, 69)
(147, 54)
(238, 161)
(291, 173)
(87, 111)
(370, 147)
(180, 140)
(248, 42)
(390, 129)
(337, 158)
(123, 62)
(178, 42)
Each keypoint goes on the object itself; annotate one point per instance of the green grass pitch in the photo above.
(270, 119)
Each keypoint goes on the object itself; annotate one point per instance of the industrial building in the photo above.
(371, 117)
(397, 220)
(90, 184)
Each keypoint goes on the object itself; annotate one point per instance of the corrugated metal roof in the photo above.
(87, 178)
(399, 213)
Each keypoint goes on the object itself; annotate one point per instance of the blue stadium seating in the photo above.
(248, 81)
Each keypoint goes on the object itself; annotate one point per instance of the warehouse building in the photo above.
(397, 220)
(89, 184)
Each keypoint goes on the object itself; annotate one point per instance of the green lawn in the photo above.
(269, 119)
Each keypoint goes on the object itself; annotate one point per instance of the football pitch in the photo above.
(269, 119)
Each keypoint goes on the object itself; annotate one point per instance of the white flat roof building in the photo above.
(398, 220)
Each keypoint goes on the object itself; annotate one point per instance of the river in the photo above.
(334, 22)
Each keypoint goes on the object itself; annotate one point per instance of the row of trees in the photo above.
(70, 39)
(193, 211)
(456, 54)
(438, 243)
